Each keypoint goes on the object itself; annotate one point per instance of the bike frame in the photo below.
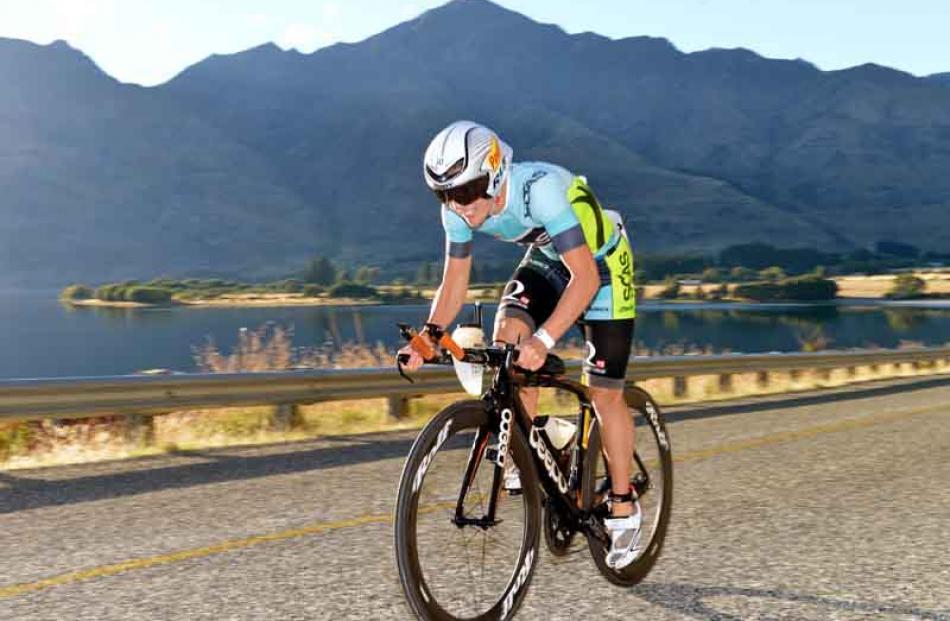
(503, 396)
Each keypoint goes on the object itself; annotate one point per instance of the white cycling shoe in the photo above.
(624, 539)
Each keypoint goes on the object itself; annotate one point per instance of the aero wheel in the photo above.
(456, 563)
(651, 469)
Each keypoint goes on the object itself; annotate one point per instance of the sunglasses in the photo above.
(465, 194)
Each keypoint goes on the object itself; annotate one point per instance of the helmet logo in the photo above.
(494, 155)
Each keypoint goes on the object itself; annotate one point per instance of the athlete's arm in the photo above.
(450, 295)
(577, 295)
(574, 301)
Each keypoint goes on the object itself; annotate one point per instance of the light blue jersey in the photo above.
(553, 211)
(538, 211)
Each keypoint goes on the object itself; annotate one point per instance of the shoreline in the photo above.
(868, 289)
(284, 301)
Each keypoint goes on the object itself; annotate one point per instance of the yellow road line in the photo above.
(324, 527)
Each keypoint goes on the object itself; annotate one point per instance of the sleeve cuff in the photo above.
(459, 250)
(569, 239)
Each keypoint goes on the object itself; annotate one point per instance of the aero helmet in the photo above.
(462, 153)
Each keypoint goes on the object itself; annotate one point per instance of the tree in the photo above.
(320, 271)
(365, 274)
(343, 275)
(772, 274)
(712, 274)
(907, 286)
(671, 289)
(741, 274)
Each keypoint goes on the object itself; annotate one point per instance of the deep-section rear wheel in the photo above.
(476, 569)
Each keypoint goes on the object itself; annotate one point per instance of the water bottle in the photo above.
(559, 431)
(471, 376)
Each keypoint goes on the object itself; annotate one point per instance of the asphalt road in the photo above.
(830, 505)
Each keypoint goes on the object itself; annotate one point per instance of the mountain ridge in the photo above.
(249, 163)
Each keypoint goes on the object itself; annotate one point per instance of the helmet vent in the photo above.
(454, 171)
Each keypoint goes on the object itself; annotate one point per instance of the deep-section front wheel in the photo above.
(456, 560)
(651, 474)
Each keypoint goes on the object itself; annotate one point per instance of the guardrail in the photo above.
(145, 395)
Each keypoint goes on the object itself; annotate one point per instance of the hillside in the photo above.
(249, 163)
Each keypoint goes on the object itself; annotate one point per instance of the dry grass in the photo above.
(938, 281)
(271, 347)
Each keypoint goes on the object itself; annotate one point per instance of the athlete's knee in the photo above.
(605, 398)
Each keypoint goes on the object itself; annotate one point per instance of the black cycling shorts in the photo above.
(531, 295)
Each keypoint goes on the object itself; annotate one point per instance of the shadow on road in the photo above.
(24, 493)
(700, 602)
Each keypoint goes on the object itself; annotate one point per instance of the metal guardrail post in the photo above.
(725, 382)
(397, 407)
(286, 417)
(680, 387)
(140, 429)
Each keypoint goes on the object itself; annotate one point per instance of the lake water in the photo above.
(41, 337)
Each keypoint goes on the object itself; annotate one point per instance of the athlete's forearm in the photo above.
(574, 301)
(450, 296)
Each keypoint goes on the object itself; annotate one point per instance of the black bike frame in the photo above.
(502, 395)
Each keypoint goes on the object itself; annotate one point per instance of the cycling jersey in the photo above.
(554, 211)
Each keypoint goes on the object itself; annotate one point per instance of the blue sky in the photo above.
(149, 41)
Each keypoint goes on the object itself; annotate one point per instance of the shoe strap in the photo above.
(630, 496)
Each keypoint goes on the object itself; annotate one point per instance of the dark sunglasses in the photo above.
(465, 194)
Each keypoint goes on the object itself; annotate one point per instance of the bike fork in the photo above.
(475, 457)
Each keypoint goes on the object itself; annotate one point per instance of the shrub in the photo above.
(712, 274)
(312, 291)
(76, 292)
(772, 274)
(351, 290)
(148, 295)
(742, 274)
(907, 286)
(671, 289)
(110, 293)
(290, 285)
(805, 288)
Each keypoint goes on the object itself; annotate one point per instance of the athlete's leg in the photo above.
(608, 350)
(617, 432)
(514, 330)
(528, 300)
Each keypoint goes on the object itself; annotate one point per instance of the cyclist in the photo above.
(578, 267)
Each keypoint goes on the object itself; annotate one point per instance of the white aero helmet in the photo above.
(461, 153)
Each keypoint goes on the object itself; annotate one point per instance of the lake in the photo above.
(43, 338)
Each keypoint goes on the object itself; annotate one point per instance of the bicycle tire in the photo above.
(640, 404)
(435, 439)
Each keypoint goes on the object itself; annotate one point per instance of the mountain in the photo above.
(106, 180)
(939, 78)
(248, 163)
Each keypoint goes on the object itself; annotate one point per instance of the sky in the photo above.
(149, 41)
